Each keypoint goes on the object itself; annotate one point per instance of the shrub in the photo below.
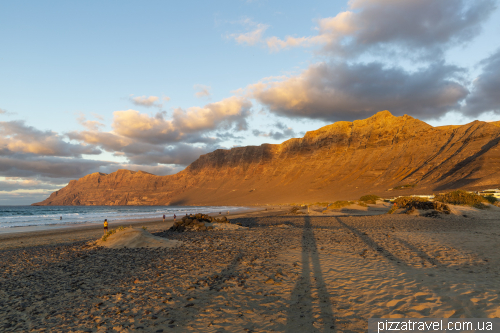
(393, 209)
(491, 199)
(462, 198)
(145, 228)
(340, 204)
(322, 204)
(370, 198)
(480, 205)
(403, 201)
(106, 235)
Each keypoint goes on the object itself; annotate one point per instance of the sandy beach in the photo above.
(311, 272)
(68, 233)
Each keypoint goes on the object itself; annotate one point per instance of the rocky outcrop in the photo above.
(383, 155)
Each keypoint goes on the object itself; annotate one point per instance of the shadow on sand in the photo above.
(311, 308)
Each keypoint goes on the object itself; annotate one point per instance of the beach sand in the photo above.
(293, 273)
(68, 233)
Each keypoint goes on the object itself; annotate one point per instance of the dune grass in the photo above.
(393, 209)
(369, 198)
(491, 199)
(112, 231)
(340, 204)
(462, 198)
(403, 201)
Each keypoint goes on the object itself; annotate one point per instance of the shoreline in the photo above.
(62, 234)
(65, 225)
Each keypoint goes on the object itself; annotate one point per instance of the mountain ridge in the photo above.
(340, 161)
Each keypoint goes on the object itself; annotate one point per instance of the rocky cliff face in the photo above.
(384, 155)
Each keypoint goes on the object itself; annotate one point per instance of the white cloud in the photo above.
(16, 137)
(189, 125)
(147, 139)
(145, 153)
(338, 91)
(225, 113)
(146, 101)
(92, 125)
(5, 112)
(98, 116)
(16, 184)
(417, 28)
(202, 91)
(251, 37)
(284, 133)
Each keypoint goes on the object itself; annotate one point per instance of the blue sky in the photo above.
(97, 86)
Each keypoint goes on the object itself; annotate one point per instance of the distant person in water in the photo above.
(175, 217)
(163, 217)
(105, 225)
(60, 218)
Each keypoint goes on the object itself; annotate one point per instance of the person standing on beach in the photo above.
(175, 217)
(163, 217)
(105, 225)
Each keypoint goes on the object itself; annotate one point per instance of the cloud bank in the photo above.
(485, 95)
(426, 27)
(284, 132)
(189, 125)
(16, 137)
(338, 91)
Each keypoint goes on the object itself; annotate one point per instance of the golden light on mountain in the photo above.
(383, 155)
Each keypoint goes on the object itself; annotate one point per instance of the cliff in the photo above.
(340, 161)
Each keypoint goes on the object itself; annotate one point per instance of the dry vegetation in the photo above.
(403, 201)
(462, 198)
(340, 204)
(369, 198)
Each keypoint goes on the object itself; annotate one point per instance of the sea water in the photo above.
(25, 216)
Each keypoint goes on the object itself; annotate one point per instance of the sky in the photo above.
(97, 86)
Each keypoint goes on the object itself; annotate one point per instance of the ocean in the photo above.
(25, 216)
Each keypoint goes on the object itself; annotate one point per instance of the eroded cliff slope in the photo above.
(336, 162)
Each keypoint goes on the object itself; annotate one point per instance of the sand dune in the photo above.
(133, 238)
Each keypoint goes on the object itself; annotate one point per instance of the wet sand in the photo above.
(285, 273)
